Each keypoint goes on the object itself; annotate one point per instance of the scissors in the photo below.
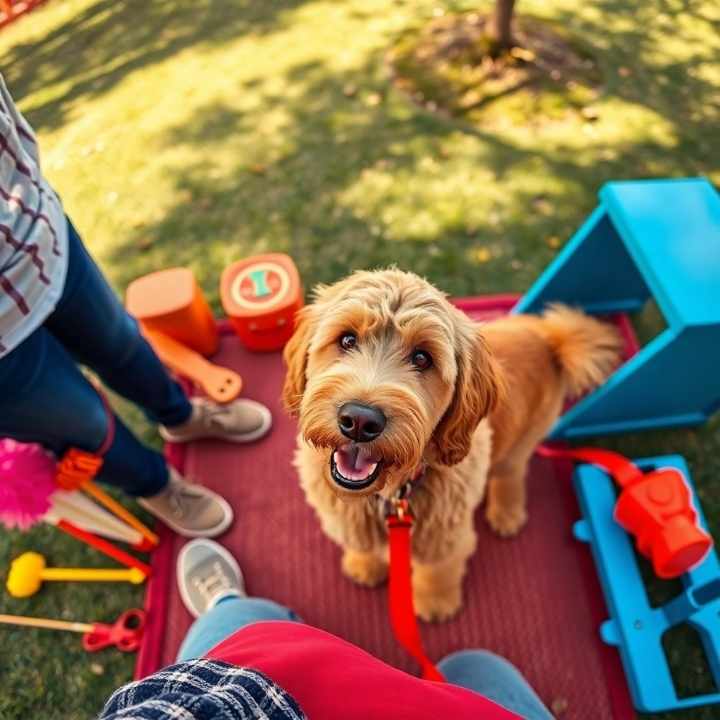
(125, 633)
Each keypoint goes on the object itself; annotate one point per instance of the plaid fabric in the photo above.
(202, 690)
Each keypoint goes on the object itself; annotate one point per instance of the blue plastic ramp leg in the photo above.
(593, 271)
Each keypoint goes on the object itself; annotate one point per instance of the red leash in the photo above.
(623, 470)
(402, 609)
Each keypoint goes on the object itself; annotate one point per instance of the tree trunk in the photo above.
(501, 25)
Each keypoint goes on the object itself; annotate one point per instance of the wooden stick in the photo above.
(46, 623)
(83, 512)
(115, 507)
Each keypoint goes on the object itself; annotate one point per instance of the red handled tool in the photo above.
(125, 633)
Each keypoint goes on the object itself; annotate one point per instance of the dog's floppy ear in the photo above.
(296, 357)
(477, 389)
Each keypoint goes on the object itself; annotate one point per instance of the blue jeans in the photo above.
(479, 670)
(46, 399)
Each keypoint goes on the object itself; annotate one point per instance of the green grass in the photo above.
(195, 132)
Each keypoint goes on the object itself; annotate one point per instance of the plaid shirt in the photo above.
(202, 690)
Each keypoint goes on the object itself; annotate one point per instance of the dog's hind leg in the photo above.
(506, 509)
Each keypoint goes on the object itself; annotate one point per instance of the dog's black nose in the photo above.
(361, 423)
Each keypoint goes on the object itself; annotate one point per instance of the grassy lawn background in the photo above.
(198, 132)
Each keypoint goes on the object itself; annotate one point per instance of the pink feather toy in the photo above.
(27, 485)
(27, 480)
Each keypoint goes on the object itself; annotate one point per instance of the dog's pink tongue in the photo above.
(354, 462)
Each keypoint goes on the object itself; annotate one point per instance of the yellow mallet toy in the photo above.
(28, 571)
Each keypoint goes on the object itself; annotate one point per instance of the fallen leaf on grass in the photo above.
(480, 255)
(522, 54)
(541, 205)
(553, 241)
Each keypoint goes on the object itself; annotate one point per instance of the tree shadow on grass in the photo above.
(636, 70)
(291, 201)
(295, 204)
(96, 48)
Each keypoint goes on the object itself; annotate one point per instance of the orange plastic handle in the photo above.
(219, 383)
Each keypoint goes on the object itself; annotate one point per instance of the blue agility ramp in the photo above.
(647, 239)
(635, 627)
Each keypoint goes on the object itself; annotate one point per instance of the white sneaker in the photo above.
(207, 573)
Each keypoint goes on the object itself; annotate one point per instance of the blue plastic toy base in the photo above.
(634, 626)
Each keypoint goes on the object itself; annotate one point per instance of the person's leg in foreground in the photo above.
(497, 679)
(212, 587)
(46, 399)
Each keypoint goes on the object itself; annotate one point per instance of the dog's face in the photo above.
(384, 372)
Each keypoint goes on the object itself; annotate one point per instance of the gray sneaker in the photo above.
(239, 421)
(207, 573)
(190, 510)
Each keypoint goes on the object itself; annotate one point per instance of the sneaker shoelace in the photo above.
(211, 585)
(179, 495)
(217, 416)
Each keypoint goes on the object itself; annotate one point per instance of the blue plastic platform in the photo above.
(648, 238)
(634, 626)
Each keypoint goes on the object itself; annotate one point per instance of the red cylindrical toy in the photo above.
(261, 295)
(657, 509)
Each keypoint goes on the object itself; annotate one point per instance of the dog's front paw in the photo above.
(364, 568)
(437, 606)
(506, 522)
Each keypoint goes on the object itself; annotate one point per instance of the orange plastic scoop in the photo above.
(219, 383)
(171, 302)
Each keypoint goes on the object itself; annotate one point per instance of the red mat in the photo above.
(534, 599)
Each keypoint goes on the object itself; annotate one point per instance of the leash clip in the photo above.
(398, 511)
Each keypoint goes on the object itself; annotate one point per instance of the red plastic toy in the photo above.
(260, 296)
(125, 633)
(656, 507)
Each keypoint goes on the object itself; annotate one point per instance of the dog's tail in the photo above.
(587, 349)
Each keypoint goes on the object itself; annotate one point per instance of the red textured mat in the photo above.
(534, 599)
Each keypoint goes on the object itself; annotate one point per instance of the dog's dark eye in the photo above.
(421, 359)
(348, 341)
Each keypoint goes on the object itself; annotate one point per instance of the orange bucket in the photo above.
(171, 302)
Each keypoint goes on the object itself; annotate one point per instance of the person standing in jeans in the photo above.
(57, 310)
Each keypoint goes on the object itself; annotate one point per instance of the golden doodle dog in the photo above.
(391, 383)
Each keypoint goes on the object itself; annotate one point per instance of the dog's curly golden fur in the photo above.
(472, 416)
